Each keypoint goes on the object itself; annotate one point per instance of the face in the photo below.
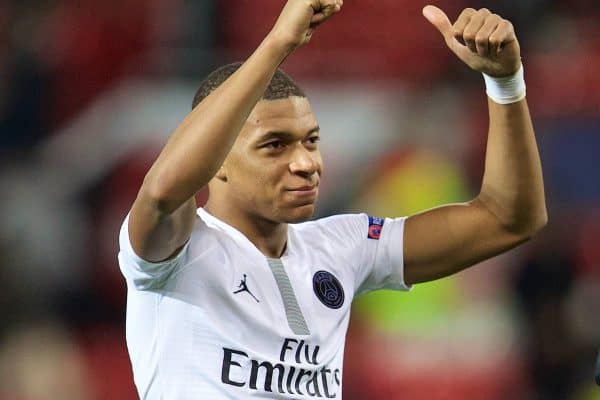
(274, 167)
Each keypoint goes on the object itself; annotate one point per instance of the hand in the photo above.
(484, 41)
(299, 19)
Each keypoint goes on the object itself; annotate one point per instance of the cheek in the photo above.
(253, 173)
(255, 176)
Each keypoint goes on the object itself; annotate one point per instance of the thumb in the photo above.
(440, 20)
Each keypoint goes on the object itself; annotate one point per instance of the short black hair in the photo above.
(280, 87)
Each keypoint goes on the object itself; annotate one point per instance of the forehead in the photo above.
(292, 114)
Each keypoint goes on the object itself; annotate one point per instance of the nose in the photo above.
(304, 162)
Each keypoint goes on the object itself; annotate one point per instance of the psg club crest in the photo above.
(328, 289)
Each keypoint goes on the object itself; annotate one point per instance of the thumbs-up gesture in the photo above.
(484, 41)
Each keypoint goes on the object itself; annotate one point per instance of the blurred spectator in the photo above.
(41, 361)
(90, 90)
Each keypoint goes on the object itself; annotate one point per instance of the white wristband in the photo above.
(506, 90)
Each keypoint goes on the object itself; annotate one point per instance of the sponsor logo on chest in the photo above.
(298, 371)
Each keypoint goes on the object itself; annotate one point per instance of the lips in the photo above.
(308, 192)
(303, 189)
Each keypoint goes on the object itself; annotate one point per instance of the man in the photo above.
(242, 298)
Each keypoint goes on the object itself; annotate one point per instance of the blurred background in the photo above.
(90, 90)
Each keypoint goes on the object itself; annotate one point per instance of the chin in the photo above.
(298, 214)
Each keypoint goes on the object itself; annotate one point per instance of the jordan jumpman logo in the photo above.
(243, 287)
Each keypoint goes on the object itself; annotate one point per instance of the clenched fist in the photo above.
(484, 41)
(299, 19)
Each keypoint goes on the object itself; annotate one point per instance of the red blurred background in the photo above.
(90, 90)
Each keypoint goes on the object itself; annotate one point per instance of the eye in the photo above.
(313, 140)
(275, 144)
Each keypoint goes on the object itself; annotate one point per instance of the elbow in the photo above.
(158, 195)
(521, 222)
(529, 225)
(541, 222)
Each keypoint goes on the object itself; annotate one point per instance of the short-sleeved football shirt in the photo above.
(222, 321)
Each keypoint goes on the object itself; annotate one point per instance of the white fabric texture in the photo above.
(210, 323)
(506, 90)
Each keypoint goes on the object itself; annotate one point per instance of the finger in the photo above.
(329, 6)
(319, 5)
(475, 23)
(482, 37)
(325, 12)
(440, 20)
(317, 19)
(461, 22)
(503, 35)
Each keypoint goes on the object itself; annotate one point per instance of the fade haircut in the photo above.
(280, 87)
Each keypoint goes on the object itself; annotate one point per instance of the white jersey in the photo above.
(222, 321)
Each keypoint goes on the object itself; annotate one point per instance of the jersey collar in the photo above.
(214, 222)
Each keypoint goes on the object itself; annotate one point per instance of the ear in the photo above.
(221, 174)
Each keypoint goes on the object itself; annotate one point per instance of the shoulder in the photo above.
(341, 226)
(332, 221)
(201, 232)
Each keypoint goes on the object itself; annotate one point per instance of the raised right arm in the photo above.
(163, 213)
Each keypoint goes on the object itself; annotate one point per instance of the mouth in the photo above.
(304, 191)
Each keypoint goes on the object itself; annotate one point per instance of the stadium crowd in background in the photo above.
(79, 81)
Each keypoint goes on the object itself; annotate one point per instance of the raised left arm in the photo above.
(510, 207)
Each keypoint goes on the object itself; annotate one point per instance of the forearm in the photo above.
(198, 147)
(513, 187)
(510, 207)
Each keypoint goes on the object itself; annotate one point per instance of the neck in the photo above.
(269, 237)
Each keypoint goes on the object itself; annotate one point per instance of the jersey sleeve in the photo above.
(142, 274)
(381, 244)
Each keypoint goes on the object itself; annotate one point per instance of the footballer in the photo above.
(247, 297)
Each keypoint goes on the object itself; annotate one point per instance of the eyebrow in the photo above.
(285, 135)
